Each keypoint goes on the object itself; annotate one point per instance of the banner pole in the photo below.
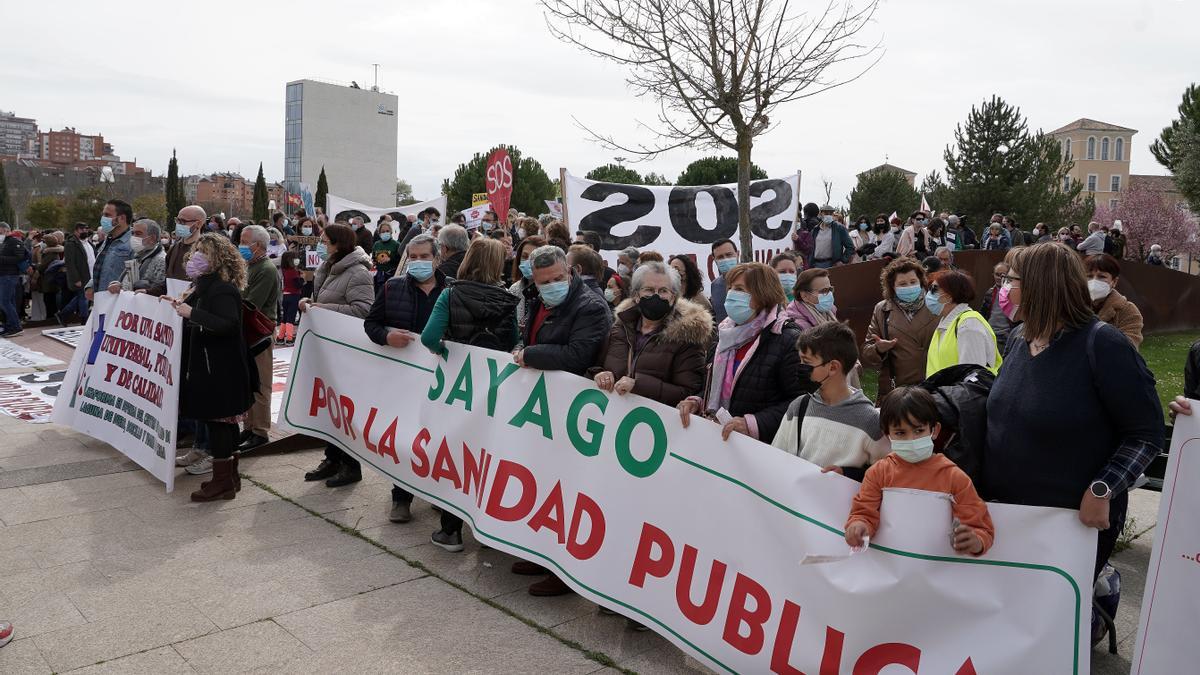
(562, 188)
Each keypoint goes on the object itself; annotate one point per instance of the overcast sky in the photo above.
(208, 79)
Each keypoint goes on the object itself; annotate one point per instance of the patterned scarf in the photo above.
(731, 337)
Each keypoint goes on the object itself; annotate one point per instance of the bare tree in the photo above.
(719, 68)
(828, 186)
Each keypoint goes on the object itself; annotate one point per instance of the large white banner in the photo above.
(1171, 603)
(338, 208)
(681, 219)
(122, 386)
(700, 539)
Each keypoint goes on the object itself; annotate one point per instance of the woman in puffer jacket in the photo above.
(343, 284)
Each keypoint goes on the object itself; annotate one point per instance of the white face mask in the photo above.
(136, 244)
(914, 450)
(1098, 289)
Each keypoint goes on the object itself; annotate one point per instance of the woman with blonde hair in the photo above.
(1073, 417)
(475, 309)
(755, 372)
(217, 376)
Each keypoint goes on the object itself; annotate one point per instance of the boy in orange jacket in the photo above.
(910, 419)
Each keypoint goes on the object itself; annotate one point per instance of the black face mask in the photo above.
(806, 380)
(654, 307)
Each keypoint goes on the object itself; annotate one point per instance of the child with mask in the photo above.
(836, 426)
(910, 418)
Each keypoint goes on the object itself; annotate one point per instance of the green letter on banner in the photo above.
(535, 410)
(496, 380)
(591, 446)
(641, 468)
(463, 388)
(439, 381)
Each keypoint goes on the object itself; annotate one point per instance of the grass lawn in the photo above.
(1164, 354)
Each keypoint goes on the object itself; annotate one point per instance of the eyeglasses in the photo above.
(664, 293)
(823, 291)
(1009, 278)
(185, 221)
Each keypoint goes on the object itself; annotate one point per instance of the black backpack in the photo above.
(961, 393)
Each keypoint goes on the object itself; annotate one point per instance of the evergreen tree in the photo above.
(6, 207)
(716, 171)
(1187, 164)
(259, 211)
(174, 189)
(615, 173)
(1166, 147)
(997, 166)
(531, 185)
(44, 213)
(655, 179)
(882, 191)
(322, 190)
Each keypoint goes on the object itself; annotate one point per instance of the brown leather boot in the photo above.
(221, 486)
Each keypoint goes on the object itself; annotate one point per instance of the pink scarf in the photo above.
(730, 338)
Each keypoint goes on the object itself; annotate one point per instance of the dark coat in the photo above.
(76, 259)
(218, 379)
(671, 366)
(482, 315)
(572, 335)
(769, 381)
(395, 306)
(12, 254)
(450, 265)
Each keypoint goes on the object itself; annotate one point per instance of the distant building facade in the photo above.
(18, 135)
(1101, 154)
(228, 192)
(349, 131)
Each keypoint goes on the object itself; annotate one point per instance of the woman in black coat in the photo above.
(755, 373)
(217, 378)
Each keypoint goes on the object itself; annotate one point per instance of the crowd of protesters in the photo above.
(1061, 409)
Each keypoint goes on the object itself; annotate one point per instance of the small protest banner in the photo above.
(122, 386)
(13, 356)
(474, 215)
(1171, 604)
(30, 396)
(499, 182)
(68, 336)
(555, 208)
(698, 538)
(479, 198)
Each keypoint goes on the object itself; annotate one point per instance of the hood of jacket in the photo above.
(355, 257)
(688, 323)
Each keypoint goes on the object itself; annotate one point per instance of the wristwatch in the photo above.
(1100, 490)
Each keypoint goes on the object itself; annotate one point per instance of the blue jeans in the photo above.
(10, 289)
(77, 304)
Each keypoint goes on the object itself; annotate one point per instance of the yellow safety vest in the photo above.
(943, 349)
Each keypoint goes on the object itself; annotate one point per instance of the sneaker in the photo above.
(189, 458)
(11, 333)
(635, 626)
(6, 633)
(59, 318)
(447, 542)
(200, 466)
(400, 513)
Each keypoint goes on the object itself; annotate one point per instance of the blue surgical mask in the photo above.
(420, 270)
(726, 264)
(914, 450)
(788, 281)
(106, 224)
(908, 293)
(936, 306)
(826, 219)
(385, 236)
(322, 250)
(609, 295)
(306, 231)
(825, 302)
(182, 231)
(864, 227)
(526, 268)
(247, 254)
(737, 306)
(554, 292)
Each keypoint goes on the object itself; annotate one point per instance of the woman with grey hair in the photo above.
(658, 345)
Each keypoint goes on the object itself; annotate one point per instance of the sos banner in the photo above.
(122, 386)
(710, 543)
(344, 209)
(682, 219)
(1171, 604)
(499, 182)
